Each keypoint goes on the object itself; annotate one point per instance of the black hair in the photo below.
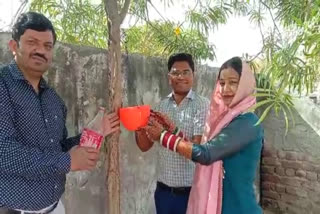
(179, 57)
(235, 63)
(34, 21)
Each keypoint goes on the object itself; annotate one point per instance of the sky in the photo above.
(235, 38)
(7, 10)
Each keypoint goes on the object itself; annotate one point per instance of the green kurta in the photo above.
(239, 146)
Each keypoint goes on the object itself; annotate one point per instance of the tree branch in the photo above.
(124, 10)
(111, 8)
(154, 27)
(273, 19)
(158, 11)
(260, 26)
(256, 56)
(19, 11)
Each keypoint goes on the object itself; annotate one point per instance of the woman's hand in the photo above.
(153, 129)
(164, 120)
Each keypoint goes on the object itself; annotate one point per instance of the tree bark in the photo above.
(115, 17)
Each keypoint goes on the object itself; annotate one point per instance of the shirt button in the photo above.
(51, 140)
(46, 120)
(55, 186)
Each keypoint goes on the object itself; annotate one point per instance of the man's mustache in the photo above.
(40, 55)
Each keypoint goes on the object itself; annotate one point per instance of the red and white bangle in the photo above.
(179, 133)
(169, 141)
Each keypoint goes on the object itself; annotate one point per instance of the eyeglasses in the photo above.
(185, 73)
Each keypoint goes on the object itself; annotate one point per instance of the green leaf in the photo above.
(259, 104)
(265, 113)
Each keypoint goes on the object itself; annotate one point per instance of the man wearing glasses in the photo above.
(188, 111)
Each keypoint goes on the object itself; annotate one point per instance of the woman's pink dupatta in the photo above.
(206, 192)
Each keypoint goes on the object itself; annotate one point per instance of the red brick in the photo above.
(269, 203)
(292, 164)
(312, 186)
(268, 186)
(295, 182)
(295, 210)
(309, 158)
(281, 154)
(270, 178)
(289, 199)
(272, 195)
(314, 196)
(269, 152)
(312, 176)
(280, 171)
(296, 202)
(301, 173)
(301, 203)
(316, 207)
(267, 169)
(301, 157)
(317, 168)
(292, 155)
(296, 191)
(280, 188)
(270, 161)
(308, 166)
(282, 206)
(265, 185)
(290, 172)
(288, 149)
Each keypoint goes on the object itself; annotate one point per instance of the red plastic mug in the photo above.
(133, 118)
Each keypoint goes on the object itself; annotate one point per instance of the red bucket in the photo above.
(133, 118)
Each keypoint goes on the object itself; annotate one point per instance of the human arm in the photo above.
(229, 141)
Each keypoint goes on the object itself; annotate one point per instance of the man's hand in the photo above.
(83, 158)
(111, 124)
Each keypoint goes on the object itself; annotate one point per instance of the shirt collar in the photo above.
(15, 71)
(17, 74)
(190, 95)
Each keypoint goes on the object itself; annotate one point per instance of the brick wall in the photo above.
(290, 182)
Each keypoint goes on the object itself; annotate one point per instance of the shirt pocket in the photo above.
(27, 117)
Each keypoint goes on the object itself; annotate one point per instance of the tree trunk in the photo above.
(114, 103)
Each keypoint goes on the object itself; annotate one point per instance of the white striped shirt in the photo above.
(173, 169)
